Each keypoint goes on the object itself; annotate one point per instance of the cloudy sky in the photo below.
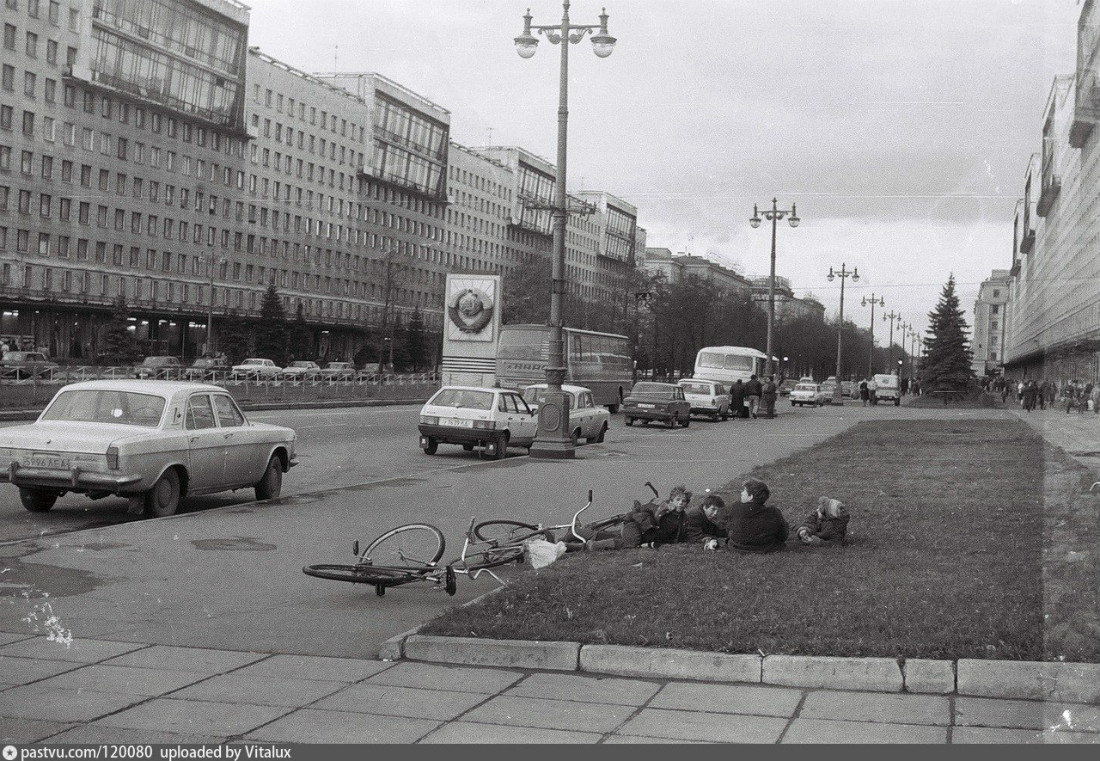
(900, 128)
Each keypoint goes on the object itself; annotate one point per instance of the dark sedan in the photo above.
(657, 401)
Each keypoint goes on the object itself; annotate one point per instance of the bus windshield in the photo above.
(725, 361)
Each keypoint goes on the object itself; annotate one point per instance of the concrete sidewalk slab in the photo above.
(92, 734)
(311, 725)
(388, 700)
(33, 701)
(316, 667)
(876, 707)
(25, 670)
(517, 711)
(432, 676)
(1026, 714)
(198, 660)
(828, 732)
(464, 732)
(194, 717)
(698, 726)
(259, 690)
(728, 698)
(19, 731)
(126, 680)
(585, 689)
(77, 651)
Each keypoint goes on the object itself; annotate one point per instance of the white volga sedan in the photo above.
(154, 442)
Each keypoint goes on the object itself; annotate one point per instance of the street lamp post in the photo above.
(210, 311)
(890, 347)
(871, 352)
(774, 216)
(843, 274)
(552, 439)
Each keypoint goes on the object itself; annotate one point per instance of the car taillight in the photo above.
(112, 457)
(429, 419)
(485, 424)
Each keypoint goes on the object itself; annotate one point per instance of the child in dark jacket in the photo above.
(828, 524)
(754, 526)
(702, 523)
(650, 525)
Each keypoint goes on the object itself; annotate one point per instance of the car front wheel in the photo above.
(164, 498)
(432, 445)
(630, 421)
(271, 484)
(37, 500)
(602, 434)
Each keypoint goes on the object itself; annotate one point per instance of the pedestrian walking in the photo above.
(1029, 393)
(753, 389)
(1041, 394)
(872, 391)
(864, 392)
(737, 399)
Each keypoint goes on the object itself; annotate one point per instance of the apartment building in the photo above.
(990, 315)
(120, 124)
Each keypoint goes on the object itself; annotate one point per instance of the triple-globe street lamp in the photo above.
(774, 215)
(890, 346)
(871, 352)
(552, 439)
(843, 273)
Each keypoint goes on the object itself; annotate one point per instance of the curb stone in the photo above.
(1023, 680)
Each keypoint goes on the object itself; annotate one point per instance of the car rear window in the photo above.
(650, 388)
(696, 388)
(106, 406)
(462, 397)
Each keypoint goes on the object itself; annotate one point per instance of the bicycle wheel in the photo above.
(491, 557)
(365, 574)
(415, 545)
(614, 520)
(502, 531)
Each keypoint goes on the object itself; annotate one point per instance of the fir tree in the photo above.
(234, 338)
(271, 333)
(300, 340)
(946, 362)
(119, 346)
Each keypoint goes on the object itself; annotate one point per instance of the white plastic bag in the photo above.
(541, 553)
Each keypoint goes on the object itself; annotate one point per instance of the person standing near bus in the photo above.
(737, 399)
(768, 395)
(753, 390)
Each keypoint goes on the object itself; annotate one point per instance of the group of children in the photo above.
(749, 526)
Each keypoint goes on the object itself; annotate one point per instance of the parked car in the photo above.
(339, 371)
(657, 401)
(206, 368)
(807, 393)
(302, 370)
(255, 367)
(163, 368)
(787, 386)
(491, 418)
(26, 364)
(850, 389)
(586, 420)
(887, 389)
(828, 388)
(154, 442)
(707, 397)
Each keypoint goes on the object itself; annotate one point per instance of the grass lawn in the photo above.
(971, 539)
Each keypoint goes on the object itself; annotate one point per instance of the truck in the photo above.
(887, 389)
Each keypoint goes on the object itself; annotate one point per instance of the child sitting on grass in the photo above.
(703, 522)
(754, 526)
(828, 524)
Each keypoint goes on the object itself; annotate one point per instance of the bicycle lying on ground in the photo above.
(412, 552)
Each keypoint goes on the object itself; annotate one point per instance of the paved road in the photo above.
(231, 577)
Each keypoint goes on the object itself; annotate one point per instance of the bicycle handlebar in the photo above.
(573, 523)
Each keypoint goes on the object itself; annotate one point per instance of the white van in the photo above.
(888, 389)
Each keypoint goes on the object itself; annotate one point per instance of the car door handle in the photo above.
(193, 439)
(228, 436)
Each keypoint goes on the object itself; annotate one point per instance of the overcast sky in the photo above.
(900, 128)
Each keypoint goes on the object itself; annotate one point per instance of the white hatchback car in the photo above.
(707, 397)
(491, 418)
(586, 420)
(153, 442)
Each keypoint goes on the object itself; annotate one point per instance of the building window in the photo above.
(9, 36)
(32, 44)
(8, 79)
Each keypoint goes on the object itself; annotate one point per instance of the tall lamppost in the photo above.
(843, 274)
(552, 439)
(774, 216)
(871, 352)
(210, 310)
(903, 331)
(890, 347)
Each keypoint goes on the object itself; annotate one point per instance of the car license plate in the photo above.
(49, 462)
(646, 406)
(459, 422)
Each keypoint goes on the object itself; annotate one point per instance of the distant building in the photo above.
(990, 315)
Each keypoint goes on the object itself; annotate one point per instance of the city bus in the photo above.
(598, 361)
(727, 364)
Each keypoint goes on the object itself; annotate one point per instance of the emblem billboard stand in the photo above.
(470, 330)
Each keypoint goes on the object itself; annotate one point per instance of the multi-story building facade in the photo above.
(990, 314)
(1054, 308)
(120, 124)
(147, 153)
